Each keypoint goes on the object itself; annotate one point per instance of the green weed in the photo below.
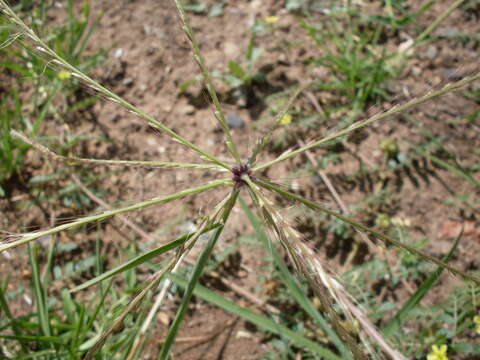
(54, 97)
(349, 331)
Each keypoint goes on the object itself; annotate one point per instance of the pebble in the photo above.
(431, 52)
(118, 53)
(316, 180)
(186, 109)
(127, 82)
(451, 74)
(447, 32)
(416, 71)
(231, 50)
(234, 121)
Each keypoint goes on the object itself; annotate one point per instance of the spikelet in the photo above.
(326, 287)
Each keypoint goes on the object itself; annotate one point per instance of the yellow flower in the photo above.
(476, 320)
(286, 119)
(438, 353)
(271, 19)
(64, 75)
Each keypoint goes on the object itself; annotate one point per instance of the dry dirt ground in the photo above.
(149, 59)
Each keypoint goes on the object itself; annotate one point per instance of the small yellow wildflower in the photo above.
(476, 320)
(438, 353)
(401, 221)
(286, 119)
(271, 19)
(383, 221)
(64, 75)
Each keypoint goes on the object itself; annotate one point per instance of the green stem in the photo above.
(380, 236)
(265, 139)
(437, 22)
(197, 272)
(361, 124)
(26, 238)
(43, 48)
(74, 160)
(197, 55)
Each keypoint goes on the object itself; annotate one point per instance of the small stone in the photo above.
(243, 334)
(431, 52)
(127, 82)
(316, 180)
(147, 29)
(416, 71)
(447, 32)
(234, 121)
(187, 109)
(255, 4)
(231, 50)
(26, 274)
(164, 318)
(452, 75)
(151, 141)
(118, 53)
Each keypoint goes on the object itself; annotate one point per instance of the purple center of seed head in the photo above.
(239, 171)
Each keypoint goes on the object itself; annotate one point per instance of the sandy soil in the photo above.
(149, 59)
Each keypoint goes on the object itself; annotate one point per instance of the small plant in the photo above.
(358, 67)
(244, 177)
(53, 97)
(244, 75)
(72, 328)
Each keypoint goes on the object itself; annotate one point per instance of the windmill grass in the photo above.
(243, 177)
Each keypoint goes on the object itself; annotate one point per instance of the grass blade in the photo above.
(141, 259)
(73, 160)
(28, 237)
(380, 236)
(257, 319)
(197, 272)
(361, 124)
(396, 322)
(40, 293)
(31, 338)
(292, 285)
(16, 329)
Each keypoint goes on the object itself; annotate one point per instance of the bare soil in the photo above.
(150, 57)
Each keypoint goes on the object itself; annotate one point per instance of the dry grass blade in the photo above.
(275, 222)
(73, 160)
(197, 55)
(130, 308)
(17, 240)
(380, 236)
(325, 286)
(40, 46)
(381, 116)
